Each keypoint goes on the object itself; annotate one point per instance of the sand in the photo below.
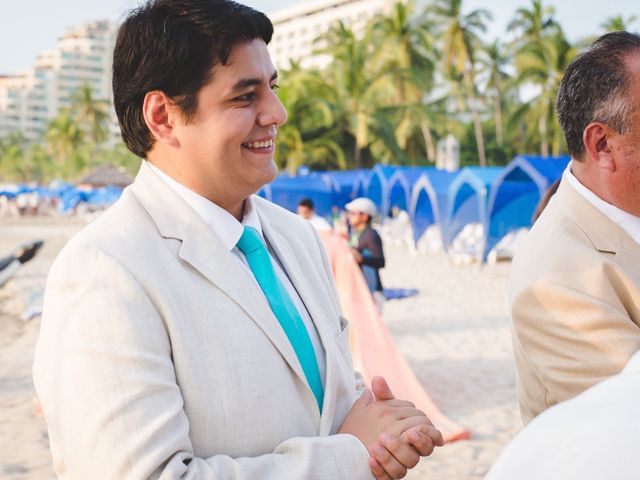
(454, 333)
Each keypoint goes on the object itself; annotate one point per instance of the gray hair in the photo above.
(594, 89)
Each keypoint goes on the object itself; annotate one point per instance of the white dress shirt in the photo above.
(229, 230)
(627, 222)
(319, 223)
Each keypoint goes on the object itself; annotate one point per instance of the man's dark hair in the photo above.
(171, 46)
(594, 89)
(306, 202)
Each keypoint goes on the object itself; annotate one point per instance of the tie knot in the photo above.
(250, 240)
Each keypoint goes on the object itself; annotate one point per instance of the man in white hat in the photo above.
(366, 245)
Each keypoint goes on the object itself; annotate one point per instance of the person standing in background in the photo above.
(366, 245)
(306, 210)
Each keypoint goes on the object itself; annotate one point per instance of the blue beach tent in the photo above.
(377, 182)
(467, 200)
(72, 198)
(399, 187)
(360, 186)
(104, 196)
(516, 192)
(347, 183)
(287, 191)
(7, 193)
(428, 205)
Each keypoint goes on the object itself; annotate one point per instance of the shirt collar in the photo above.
(224, 225)
(627, 222)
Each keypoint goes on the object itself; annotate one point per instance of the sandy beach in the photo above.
(454, 334)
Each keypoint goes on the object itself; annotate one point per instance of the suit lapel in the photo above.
(303, 280)
(204, 251)
(605, 234)
(595, 224)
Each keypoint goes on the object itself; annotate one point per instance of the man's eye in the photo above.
(247, 97)
(275, 86)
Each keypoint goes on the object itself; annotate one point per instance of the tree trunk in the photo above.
(476, 119)
(499, 127)
(542, 128)
(361, 137)
(428, 141)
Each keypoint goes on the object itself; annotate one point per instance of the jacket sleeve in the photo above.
(104, 374)
(568, 338)
(370, 246)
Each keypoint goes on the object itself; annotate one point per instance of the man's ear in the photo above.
(597, 141)
(159, 115)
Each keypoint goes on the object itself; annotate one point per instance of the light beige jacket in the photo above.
(574, 291)
(159, 358)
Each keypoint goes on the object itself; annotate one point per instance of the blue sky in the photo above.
(28, 27)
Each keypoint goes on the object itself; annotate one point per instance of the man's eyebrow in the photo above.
(251, 82)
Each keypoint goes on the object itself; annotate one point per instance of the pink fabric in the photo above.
(374, 352)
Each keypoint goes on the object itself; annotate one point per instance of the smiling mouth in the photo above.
(261, 144)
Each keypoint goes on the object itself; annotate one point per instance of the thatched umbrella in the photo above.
(107, 175)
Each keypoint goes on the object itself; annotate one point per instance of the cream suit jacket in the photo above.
(574, 291)
(159, 358)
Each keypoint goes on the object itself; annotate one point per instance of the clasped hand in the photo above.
(395, 433)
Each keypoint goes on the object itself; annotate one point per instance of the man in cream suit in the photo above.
(163, 352)
(575, 282)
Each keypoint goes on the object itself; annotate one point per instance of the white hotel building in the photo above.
(297, 28)
(30, 99)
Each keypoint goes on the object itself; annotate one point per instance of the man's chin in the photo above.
(265, 176)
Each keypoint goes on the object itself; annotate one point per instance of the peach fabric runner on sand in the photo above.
(374, 352)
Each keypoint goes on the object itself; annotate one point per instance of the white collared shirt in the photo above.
(229, 230)
(627, 222)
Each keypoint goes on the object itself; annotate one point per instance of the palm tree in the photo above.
(353, 79)
(541, 55)
(92, 115)
(459, 44)
(618, 23)
(310, 136)
(405, 49)
(532, 24)
(494, 62)
(64, 137)
(11, 156)
(543, 64)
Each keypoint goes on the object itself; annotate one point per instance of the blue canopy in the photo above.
(360, 185)
(347, 183)
(105, 195)
(287, 191)
(71, 198)
(399, 187)
(428, 204)
(467, 200)
(377, 181)
(7, 193)
(516, 192)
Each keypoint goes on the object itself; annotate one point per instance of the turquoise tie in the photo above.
(283, 308)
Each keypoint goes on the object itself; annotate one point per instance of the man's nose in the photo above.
(273, 112)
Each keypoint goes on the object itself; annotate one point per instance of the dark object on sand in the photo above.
(10, 264)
